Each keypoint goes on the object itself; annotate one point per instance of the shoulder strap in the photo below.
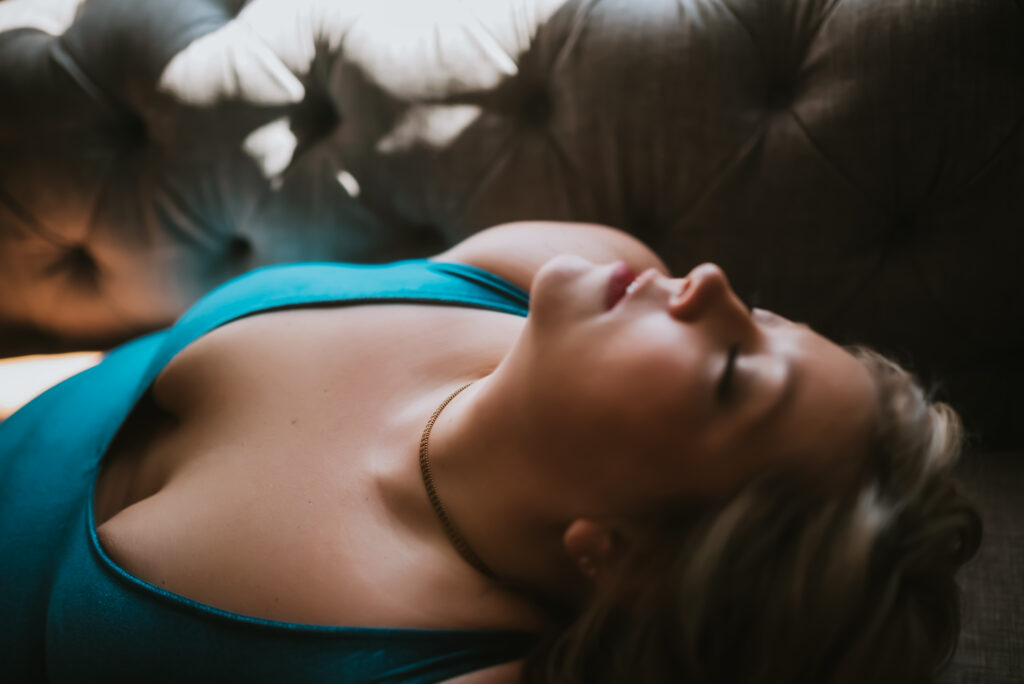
(280, 287)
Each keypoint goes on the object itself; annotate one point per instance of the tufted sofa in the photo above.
(858, 164)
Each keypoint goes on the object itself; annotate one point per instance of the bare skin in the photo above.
(274, 470)
(286, 483)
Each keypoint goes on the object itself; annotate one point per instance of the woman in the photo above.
(641, 480)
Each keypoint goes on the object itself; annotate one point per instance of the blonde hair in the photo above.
(783, 584)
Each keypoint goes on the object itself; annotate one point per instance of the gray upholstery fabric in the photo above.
(858, 164)
(991, 649)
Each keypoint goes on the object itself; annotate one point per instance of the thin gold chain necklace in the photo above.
(454, 536)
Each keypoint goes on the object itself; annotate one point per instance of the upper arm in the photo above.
(506, 673)
(515, 251)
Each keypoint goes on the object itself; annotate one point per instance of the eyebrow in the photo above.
(724, 387)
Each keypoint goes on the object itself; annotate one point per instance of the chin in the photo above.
(566, 286)
(563, 267)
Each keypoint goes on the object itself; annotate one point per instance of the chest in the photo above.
(341, 359)
(252, 483)
(312, 398)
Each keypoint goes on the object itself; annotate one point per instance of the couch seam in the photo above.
(993, 158)
(33, 224)
(114, 106)
(825, 157)
(817, 29)
(738, 154)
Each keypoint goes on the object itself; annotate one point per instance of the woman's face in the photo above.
(677, 387)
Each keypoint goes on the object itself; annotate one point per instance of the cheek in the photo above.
(636, 386)
(651, 393)
(657, 367)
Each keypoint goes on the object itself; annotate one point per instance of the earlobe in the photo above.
(591, 546)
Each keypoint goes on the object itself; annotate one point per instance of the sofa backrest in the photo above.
(855, 164)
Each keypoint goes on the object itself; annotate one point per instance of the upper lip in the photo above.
(638, 283)
(644, 278)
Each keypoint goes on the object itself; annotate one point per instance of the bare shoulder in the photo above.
(506, 673)
(515, 251)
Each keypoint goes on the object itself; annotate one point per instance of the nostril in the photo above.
(687, 301)
(705, 291)
(684, 285)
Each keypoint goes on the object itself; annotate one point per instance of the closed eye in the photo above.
(725, 383)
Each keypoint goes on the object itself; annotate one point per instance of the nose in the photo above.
(705, 294)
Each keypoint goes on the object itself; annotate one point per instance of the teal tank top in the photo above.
(68, 613)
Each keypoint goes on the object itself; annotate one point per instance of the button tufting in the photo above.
(779, 97)
(903, 229)
(79, 265)
(239, 247)
(78, 258)
(537, 106)
(314, 118)
(129, 134)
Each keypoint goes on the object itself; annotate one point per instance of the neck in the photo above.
(497, 494)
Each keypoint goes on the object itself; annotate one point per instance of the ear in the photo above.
(591, 546)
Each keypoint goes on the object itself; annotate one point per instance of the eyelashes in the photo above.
(725, 383)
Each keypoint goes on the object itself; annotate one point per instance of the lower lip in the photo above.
(620, 279)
